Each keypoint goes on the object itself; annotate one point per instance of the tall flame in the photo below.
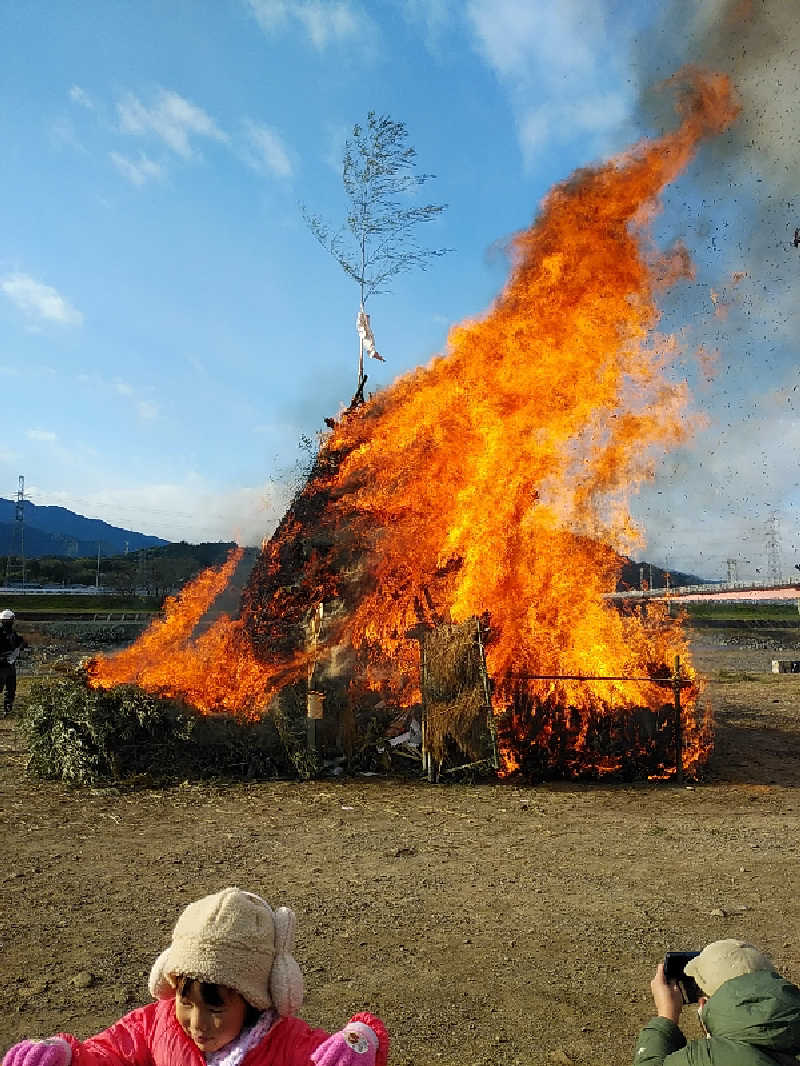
(496, 479)
(215, 670)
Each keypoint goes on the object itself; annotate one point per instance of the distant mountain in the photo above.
(650, 573)
(59, 531)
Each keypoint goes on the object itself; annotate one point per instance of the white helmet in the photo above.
(7, 616)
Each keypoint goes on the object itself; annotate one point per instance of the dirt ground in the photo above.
(486, 924)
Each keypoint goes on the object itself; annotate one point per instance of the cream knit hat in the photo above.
(723, 960)
(234, 938)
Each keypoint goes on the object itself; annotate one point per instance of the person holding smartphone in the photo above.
(749, 1013)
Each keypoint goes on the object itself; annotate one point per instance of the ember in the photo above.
(493, 482)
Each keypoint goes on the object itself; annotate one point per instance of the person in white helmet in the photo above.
(11, 644)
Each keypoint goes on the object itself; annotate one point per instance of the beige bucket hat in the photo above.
(723, 960)
(234, 938)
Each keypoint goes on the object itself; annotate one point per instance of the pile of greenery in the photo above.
(91, 737)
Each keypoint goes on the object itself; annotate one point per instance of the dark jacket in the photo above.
(10, 640)
(753, 1020)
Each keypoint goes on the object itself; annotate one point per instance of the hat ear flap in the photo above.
(159, 983)
(285, 979)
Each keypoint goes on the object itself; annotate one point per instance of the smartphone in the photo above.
(674, 966)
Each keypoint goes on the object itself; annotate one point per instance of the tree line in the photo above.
(146, 573)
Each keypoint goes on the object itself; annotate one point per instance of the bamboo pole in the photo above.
(495, 761)
(312, 697)
(360, 360)
(427, 757)
(676, 688)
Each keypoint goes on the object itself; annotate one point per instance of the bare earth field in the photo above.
(486, 924)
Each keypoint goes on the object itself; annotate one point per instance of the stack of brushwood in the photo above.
(458, 727)
(549, 740)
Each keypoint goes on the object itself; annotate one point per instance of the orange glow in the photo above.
(497, 479)
(214, 671)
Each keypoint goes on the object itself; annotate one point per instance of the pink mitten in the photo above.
(355, 1045)
(362, 1042)
(53, 1052)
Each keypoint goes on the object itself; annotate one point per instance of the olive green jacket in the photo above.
(752, 1020)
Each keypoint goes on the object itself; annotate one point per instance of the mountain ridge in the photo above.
(59, 531)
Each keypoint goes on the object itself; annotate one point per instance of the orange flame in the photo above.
(497, 479)
(214, 671)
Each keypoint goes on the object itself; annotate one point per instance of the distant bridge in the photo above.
(722, 591)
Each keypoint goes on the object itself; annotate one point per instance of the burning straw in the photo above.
(495, 480)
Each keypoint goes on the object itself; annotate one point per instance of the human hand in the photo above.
(355, 1045)
(666, 996)
(53, 1052)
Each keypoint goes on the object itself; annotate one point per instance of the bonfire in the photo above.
(491, 490)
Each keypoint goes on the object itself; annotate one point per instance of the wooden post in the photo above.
(427, 758)
(312, 727)
(487, 695)
(314, 699)
(676, 688)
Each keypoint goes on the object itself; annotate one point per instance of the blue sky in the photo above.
(170, 328)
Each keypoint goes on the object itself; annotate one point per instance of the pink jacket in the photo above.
(151, 1036)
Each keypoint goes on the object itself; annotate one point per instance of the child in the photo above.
(226, 991)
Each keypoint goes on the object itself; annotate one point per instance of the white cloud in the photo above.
(63, 135)
(192, 509)
(324, 21)
(329, 22)
(556, 61)
(265, 151)
(270, 13)
(137, 171)
(593, 117)
(38, 301)
(79, 96)
(139, 396)
(41, 434)
(172, 118)
(525, 41)
(433, 15)
(336, 136)
(535, 130)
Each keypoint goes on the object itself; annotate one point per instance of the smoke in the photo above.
(747, 177)
(737, 210)
(755, 42)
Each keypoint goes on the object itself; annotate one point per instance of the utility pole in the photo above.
(774, 564)
(97, 571)
(667, 573)
(19, 517)
(143, 575)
